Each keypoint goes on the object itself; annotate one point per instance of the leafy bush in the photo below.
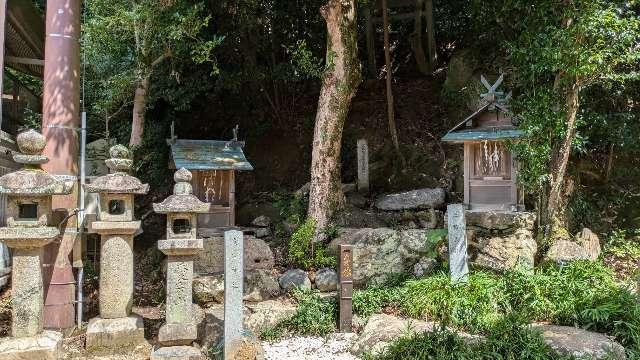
(583, 294)
(301, 252)
(509, 340)
(315, 316)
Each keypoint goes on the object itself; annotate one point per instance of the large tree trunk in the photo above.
(139, 109)
(561, 156)
(339, 85)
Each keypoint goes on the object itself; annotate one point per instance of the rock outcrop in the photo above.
(380, 252)
(257, 256)
(294, 278)
(416, 199)
(566, 340)
(501, 240)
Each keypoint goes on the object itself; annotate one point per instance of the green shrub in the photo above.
(583, 294)
(509, 340)
(315, 316)
(300, 252)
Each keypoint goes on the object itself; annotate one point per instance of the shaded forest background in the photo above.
(214, 64)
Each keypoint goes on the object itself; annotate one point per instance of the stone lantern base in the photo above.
(44, 346)
(177, 353)
(119, 334)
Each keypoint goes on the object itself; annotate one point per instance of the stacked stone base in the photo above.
(44, 346)
(177, 334)
(118, 335)
(177, 353)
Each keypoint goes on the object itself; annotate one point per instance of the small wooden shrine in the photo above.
(490, 169)
(213, 164)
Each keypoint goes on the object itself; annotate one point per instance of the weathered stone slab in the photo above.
(566, 340)
(257, 256)
(115, 334)
(116, 276)
(172, 334)
(45, 346)
(27, 293)
(500, 220)
(177, 353)
(506, 252)
(458, 267)
(233, 283)
(416, 199)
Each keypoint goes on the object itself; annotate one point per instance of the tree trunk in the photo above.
(391, 115)
(139, 109)
(561, 156)
(339, 85)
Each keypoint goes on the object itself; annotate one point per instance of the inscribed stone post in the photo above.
(233, 281)
(363, 166)
(346, 287)
(458, 267)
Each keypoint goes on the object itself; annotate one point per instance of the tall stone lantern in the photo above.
(115, 328)
(182, 209)
(28, 229)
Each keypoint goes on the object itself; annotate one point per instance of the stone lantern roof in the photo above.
(182, 200)
(119, 181)
(32, 180)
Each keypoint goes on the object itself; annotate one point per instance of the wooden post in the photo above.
(3, 32)
(346, 288)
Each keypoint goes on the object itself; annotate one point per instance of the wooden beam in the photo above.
(25, 61)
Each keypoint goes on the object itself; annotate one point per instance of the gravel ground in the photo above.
(333, 347)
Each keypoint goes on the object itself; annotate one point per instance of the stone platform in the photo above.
(44, 346)
(177, 353)
(116, 334)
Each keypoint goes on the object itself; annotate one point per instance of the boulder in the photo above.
(571, 341)
(295, 278)
(261, 221)
(383, 251)
(416, 199)
(246, 348)
(382, 329)
(505, 252)
(326, 280)
(500, 220)
(564, 251)
(259, 285)
(262, 232)
(257, 318)
(267, 314)
(257, 255)
(207, 289)
(424, 266)
(590, 242)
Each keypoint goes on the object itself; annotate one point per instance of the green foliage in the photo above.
(315, 316)
(292, 208)
(582, 293)
(301, 252)
(621, 245)
(508, 340)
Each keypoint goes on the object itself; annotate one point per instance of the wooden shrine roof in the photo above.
(209, 155)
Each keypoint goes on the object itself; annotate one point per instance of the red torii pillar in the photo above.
(60, 123)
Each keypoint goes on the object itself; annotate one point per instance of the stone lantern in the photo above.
(28, 229)
(182, 209)
(116, 328)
